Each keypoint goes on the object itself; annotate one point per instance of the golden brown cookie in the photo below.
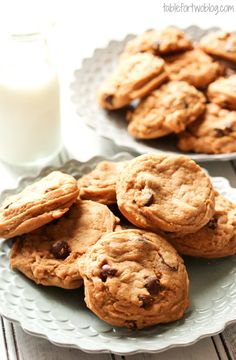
(220, 43)
(223, 92)
(195, 67)
(50, 255)
(171, 193)
(216, 239)
(212, 133)
(38, 204)
(134, 77)
(135, 279)
(156, 42)
(166, 110)
(100, 184)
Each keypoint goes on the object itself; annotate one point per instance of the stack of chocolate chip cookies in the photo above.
(119, 231)
(179, 88)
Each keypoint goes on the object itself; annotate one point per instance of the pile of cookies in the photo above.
(116, 230)
(172, 86)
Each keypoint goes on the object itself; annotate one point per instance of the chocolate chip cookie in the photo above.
(216, 239)
(38, 204)
(171, 193)
(166, 110)
(156, 42)
(195, 67)
(135, 279)
(212, 133)
(50, 255)
(134, 77)
(220, 43)
(223, 92)
(100, 184)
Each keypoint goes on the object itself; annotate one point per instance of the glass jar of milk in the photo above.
(30, 131)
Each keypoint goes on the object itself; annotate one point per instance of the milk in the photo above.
(29, 108)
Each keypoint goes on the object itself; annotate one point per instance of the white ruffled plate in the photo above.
(62, 317)
(112, 124)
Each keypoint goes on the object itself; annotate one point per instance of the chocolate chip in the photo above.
(228, 129)
(146, 197)
(212, 224)
(219, 132)
(60, 250)
(153, 285)
(109, 99)
(224, 132)
(147, 301)
(107, 271)
(131, 324)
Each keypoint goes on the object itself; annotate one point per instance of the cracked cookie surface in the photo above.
(134, 78)
(157, 42)
(220, 43)
(100, 184)
(216, 239)
(38, 204)
(136, 279)
(212, 133)
(223, 92)
(166, 110)
(195, 67)
(162, 192)
(50, 255)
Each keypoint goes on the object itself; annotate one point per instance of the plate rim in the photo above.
(110, 347)
(111, 351)
(201, 157)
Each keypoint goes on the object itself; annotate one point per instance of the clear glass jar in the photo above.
(30, 131)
